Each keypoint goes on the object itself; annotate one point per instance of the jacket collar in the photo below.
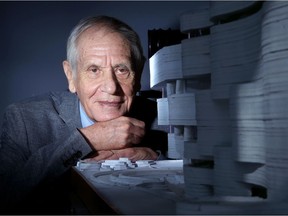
(67, 105)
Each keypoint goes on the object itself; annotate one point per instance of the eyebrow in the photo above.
(122, 65)
(93, 64)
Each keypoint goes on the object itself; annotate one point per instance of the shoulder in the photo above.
(45, 98)
(41, 103)
(35, 114)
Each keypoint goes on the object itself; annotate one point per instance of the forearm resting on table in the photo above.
(133, 153)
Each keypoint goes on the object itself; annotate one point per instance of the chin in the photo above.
(109, 116)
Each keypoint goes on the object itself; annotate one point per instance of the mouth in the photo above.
(110, 103)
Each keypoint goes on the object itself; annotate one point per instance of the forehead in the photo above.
(102, 36)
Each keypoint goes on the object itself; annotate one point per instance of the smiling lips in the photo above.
(110, 103)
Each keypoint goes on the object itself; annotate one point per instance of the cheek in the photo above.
(128, 86)
(129, 93)
(128, 90)
(86, 89)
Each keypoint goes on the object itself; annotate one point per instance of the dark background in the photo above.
(33, 38)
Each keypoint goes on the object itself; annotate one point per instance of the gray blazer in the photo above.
(39, 143)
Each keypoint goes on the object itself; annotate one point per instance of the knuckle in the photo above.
(126, 127)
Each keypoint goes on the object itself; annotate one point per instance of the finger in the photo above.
(102, 155)
(137, 122)
(113, 157)
(133, 121)
(135, 139)
(133, 131)
(137, 134)
(137, 128)
(126, 153)
(137, 153)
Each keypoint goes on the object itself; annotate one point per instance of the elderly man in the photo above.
(100, 118)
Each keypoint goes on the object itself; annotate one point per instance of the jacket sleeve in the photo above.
(34, 153)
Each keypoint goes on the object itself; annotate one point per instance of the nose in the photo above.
(110, 83)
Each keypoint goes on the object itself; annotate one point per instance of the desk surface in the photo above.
(156, 189)
(145, 189)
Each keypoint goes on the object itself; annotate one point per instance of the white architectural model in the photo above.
(233, 134)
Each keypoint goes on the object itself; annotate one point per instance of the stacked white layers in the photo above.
(196, 56)
(165, 65)
(234, 51)
(240, 152)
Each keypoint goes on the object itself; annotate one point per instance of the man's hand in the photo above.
(134, 154)
(117, 133)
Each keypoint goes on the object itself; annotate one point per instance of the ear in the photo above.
(69, 75)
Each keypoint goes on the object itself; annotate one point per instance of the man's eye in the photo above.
(94, 70)
(122, 71)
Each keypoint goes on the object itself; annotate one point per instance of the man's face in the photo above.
(104, 81)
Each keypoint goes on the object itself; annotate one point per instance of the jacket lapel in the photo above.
(67, 105)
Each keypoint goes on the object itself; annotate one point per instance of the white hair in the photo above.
(116, 25)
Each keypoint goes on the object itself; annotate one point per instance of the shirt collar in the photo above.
(85, 120)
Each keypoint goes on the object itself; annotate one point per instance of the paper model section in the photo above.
(233, 141)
